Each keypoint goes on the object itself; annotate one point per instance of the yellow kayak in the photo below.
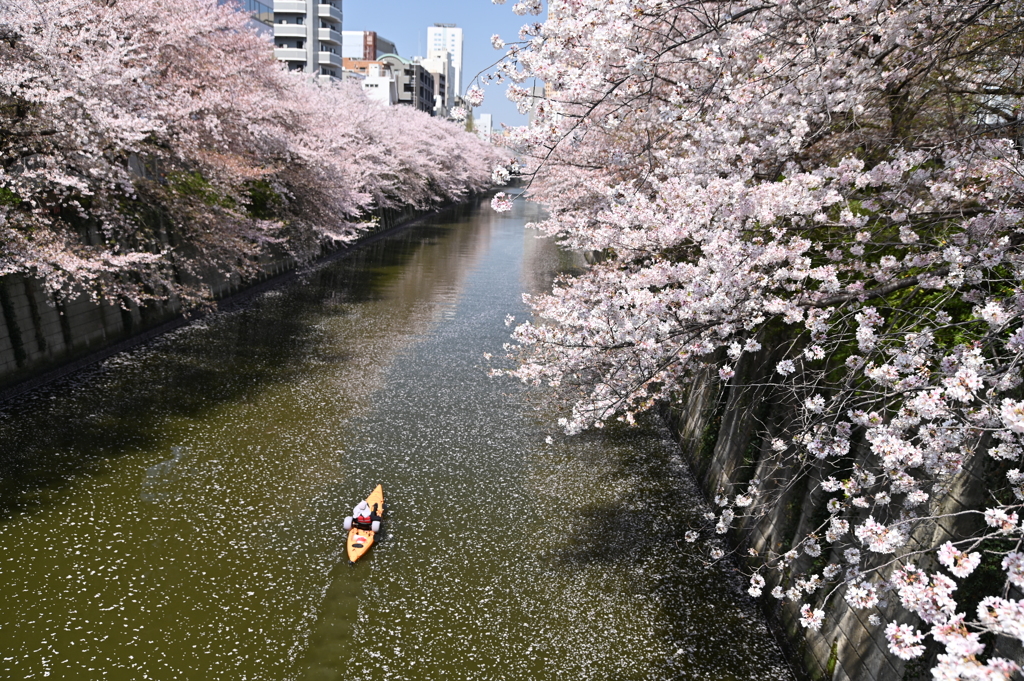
(359, 540)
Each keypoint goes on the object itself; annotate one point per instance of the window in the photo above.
(255, 7)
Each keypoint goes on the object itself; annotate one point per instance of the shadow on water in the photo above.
(631, 526)
(647, 501)
(71, 428)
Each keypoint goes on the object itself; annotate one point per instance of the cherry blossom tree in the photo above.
(833, 188)
(141, 140)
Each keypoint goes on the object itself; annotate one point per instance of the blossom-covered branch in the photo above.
(835, 188)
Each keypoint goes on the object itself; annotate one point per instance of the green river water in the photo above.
(176, 512)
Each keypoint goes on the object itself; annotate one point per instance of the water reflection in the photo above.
(160, 476)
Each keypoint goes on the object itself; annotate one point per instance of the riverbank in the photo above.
(43, 339)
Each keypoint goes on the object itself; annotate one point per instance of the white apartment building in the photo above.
(380, 85)
(447, 38)
(307, 36)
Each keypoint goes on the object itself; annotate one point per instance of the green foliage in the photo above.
(195, 185)
(709, 438)
(833, 657)
(988, 578)
(9, 198)
(264, 202)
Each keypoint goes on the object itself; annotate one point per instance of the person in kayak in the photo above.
(364, 517)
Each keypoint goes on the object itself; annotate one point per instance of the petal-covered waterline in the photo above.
(176, 513)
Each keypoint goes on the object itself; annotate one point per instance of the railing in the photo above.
(290, 6)
(289, 31)
(292, 54)
(329, 59)
(329, 12)
(330, 36)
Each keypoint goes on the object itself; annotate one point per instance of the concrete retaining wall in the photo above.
(721, 432)
(42, 337)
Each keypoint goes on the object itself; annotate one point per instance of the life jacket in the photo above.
(364, 520)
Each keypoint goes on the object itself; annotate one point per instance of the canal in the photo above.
(176, 512)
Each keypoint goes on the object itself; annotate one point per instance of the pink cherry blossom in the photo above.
(501, 202)
(861, 595)
(119, 111)
(811, 618)
(1012, 412)
(475, 96)
(1001, 520)
(756, 585)
(1013, 564)
(959, 563)
(904, 640)
(760, 209)
(1002, 615)
(879, 538)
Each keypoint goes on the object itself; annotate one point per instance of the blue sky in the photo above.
(405, 22)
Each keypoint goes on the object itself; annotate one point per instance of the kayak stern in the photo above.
(359, 541)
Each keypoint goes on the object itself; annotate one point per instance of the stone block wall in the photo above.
(724, 432)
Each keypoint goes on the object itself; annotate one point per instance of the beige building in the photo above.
(447, 38)
(415, 83)
(440, 66)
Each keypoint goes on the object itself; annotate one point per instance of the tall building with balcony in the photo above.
(447, 38)
(307, 36)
